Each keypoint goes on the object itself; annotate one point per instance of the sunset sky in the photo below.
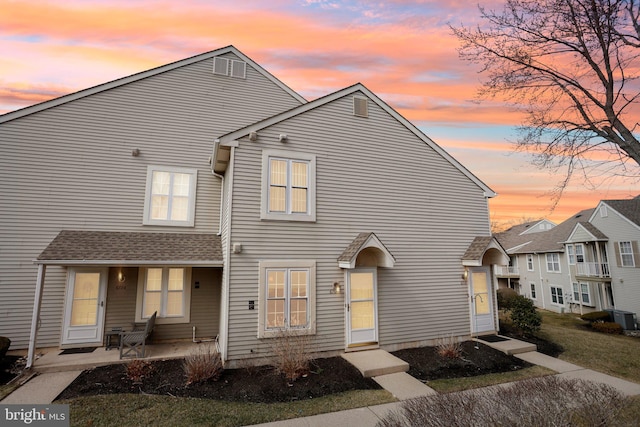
(402, 50)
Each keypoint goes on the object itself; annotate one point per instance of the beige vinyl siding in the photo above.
(205, 304)
(372, 175)
(581, 235)
(625, 281)
(70, 167)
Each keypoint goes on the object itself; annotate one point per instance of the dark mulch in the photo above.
(7, 371)
(262, 384)
(427, 365)
(545, 347)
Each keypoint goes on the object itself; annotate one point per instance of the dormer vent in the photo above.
(229, 67)
(360, 106)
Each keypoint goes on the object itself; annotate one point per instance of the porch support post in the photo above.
(37, 303)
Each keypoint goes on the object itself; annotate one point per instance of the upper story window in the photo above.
(288, 191)
(626, 254)
(530, 262)
(571, 254)
(579, 252)
(553, 263)
(170, 196)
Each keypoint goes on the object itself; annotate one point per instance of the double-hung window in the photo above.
(533, 290)
(553, 263)
(557, 297)
(287, 297)
(170, 196)
(164, 290)
(529, 262)
(288, 186)
(571, 254)
(581, 293)
(579, 252)
(626, 254)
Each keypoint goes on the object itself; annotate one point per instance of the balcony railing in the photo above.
(507, 271)
(592, 269)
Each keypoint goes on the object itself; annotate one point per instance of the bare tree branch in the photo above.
(573, 68)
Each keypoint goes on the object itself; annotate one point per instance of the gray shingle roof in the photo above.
(477, 248)
(131, 247)
(629, 208)
(544, 241)
(354, 247)
(599, 235)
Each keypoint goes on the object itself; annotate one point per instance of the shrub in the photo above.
(202, 364)
(5, 343)
(292, 351)
(547, 401)
(137, 369)
(596, 316)
(449, 347)
(607, 327)
(524, 315)
(506, 297)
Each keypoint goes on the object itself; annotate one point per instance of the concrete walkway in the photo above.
(384, 368)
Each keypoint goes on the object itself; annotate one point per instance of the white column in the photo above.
(37, 303)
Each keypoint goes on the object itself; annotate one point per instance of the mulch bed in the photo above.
(427, 365)
(262, 384)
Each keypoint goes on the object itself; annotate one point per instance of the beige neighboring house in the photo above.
(210, 192)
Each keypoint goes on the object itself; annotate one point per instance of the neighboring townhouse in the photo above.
(605, 261)
(538, 251)
(210, 192)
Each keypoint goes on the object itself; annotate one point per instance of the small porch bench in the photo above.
(132, 343)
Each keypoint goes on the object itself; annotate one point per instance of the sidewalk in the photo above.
(45, 387)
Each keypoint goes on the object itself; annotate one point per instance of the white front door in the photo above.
(84, 306)
(362, 307)
(482, 319)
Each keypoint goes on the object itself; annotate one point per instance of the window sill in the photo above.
(286, 332)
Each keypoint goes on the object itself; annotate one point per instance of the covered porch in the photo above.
(116, 279)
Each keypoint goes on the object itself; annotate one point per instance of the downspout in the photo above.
(35, 318)
(213, 162)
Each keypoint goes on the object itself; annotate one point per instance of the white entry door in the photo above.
(481, 300)
(84, 306)
(362, 307)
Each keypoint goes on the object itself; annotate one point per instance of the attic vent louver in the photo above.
(220, 66)
(238, 69)
(229, 67)
(360, 107)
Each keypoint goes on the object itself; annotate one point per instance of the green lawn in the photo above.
(148, 410)
(615, 355)
(612, 354)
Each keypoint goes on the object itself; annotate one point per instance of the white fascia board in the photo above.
(142, 75)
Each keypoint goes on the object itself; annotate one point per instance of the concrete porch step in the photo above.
(373, 363)
(510, 346)
(403, 386)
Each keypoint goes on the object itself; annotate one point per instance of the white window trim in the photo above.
(583, 254)
(160, 319)
(263, 266)
(533, 291)
(571, 254)
(530, 262)
(310, 216)
(559, 270)
(190, 221)
(557, 288)
(633, 261)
